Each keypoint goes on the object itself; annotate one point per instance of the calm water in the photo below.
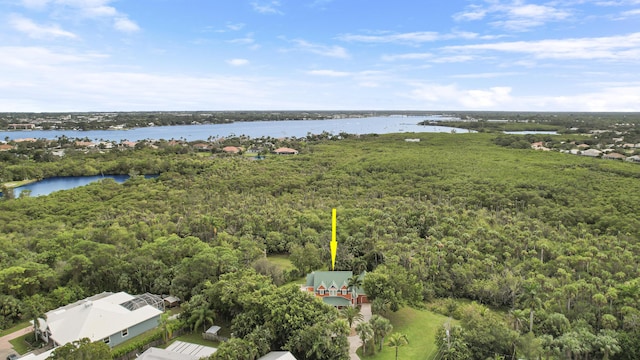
(289, 128)
(47, 186)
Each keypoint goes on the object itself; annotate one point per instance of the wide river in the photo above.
(254, 129)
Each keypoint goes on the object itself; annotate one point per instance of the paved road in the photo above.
(354, 341)
(5, 346)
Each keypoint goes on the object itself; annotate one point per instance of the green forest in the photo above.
(542, 247)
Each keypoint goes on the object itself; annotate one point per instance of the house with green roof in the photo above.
(333, 288)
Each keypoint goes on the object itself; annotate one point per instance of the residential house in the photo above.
(614, 156)
(634, 158)
(112, 318)
(6, 147)
(285, 151)
(128, 144)
(539, 146)
(21, 126)
(84, 144)
(592, 153)
(278, 355)
(231, 149)
(41, 356)
(201, 146)
(333, 288)
(178, 350)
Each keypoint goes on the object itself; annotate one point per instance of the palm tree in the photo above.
(531, 300)
(351, 314)
(381, 328)
(166, 326)
(201, 316)
(397, 340)
(354, 282)
(365, 331)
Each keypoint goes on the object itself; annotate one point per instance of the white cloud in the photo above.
(247, 40)
(616, 97)
(238, 62)
(40, 58)
(235, 27)
(438, 95)
(125, 25)
(489, 75)
(86, 9)
(36, 31)
(621, 48)
(474, 12)
(453, 59)
(410, 56)
(82, 83)
(267, 7)
(329, 73)
(324, 50)
(633, 12)
(35, 4)
(514, 15)
(412, 38)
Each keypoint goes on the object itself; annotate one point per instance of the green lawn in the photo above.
(15, 184)
(15, 328)
(420, 326)
(282, 261)
(23, 344)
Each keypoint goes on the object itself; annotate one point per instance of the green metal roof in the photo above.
(329, 278)
(336, 301)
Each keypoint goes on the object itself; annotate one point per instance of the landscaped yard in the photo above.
(24, 343)
(420, 326)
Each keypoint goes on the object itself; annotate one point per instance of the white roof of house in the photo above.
(213, 329)
(278, 355)
(41, 356)
(162, 354)
(185, 348)
(179, 350)
(96, 318)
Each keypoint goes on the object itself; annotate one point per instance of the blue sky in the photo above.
(126, 55)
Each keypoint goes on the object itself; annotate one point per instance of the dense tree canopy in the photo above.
(552, 238)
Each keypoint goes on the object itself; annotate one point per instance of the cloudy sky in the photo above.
(107, 55)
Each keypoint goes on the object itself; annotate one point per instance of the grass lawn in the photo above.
(15, 184)
(420, 326)
(282, 261)
(23, 344)
(15, 328)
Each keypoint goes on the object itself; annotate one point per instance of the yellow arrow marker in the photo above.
(334, 243)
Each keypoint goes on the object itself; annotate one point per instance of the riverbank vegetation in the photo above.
(551, 240)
